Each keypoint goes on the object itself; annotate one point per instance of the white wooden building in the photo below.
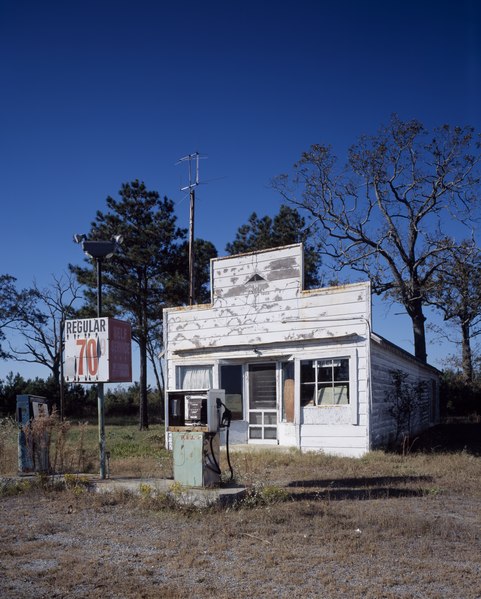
(300, 368)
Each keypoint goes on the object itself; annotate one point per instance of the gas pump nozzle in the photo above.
(224, 421)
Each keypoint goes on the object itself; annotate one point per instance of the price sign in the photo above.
(97, 350)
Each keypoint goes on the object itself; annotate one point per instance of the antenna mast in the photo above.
(193, 182)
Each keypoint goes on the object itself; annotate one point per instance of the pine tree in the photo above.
(287, 227)
(149, 271)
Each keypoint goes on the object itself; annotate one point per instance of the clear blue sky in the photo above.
(96, 93)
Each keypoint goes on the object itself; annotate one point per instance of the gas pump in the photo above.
(194, 419)
(33, 439)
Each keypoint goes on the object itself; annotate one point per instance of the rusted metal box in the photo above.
(33, 435)
(196, 458)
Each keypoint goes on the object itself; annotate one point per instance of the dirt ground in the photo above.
(381, 527)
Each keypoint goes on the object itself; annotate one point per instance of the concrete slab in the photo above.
(181, 494)
(197, 497)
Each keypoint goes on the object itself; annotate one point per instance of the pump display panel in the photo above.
(195, 408)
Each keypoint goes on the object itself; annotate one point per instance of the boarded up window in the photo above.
(288, 391)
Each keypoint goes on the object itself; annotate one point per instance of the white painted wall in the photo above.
(260, 312)
(272, 310)
(386, 358)
(258, 305)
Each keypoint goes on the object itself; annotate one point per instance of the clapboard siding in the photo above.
(284, 265)
(292, 303)
(340, 440)
(384, 360)
(273, 309)
(250, 335)
(274, 320)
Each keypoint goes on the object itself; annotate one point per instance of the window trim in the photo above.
(353, 357)
(332, 384)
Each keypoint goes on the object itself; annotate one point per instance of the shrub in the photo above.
(457, 397)
(404, 398)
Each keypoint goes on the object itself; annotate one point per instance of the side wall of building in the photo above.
(390, 423)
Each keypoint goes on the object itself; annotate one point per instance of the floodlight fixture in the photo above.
(99, 249)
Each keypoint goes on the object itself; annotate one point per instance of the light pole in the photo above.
(62, 398)
(99, 251)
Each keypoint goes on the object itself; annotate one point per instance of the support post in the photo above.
(61, 393)
(100, 396)
(100, 386)
(99, 287)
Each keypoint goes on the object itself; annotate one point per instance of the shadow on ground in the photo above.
(451, 437)
(363, 481)
(357, 494)
(362, 488)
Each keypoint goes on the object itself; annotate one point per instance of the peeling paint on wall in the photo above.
(275, 311)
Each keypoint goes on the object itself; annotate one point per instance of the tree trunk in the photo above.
(143, 415)
(153, 360)
(55, 369)
(160, 385)
(467, 360)
(416, 313)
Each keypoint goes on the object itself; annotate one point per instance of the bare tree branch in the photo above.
(38, 319)
(412, 182)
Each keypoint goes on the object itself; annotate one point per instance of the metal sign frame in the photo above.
(97, 350)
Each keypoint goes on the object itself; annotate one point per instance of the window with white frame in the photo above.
(194, 377)
(325, 382)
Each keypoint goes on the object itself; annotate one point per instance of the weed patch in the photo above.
(10, 487)
(264, 494)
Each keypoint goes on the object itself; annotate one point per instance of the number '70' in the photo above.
(88, 352)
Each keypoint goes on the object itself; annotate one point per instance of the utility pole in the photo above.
(191, 246)
(193, 182)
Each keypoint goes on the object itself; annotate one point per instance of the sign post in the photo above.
(98, 351)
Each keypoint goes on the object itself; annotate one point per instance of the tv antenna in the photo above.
(193, 182)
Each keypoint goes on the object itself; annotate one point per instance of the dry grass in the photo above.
(385, 526)
(73, 447)
(8, 446)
